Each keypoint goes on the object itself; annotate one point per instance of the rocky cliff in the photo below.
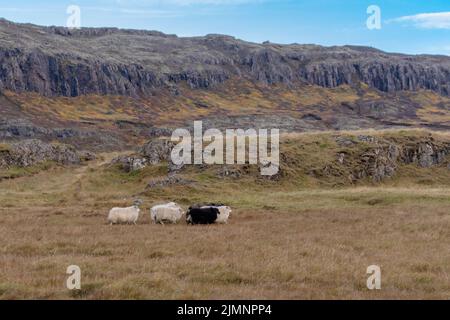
(55, 61)
(378, 158)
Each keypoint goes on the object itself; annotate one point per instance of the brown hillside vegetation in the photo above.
(302, 235)
(235, 104)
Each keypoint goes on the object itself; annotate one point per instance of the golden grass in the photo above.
(434, 114)
(83, 108)
(413, 132)
(284, 241)
(16, 172)
(4, 147)
(261, 254)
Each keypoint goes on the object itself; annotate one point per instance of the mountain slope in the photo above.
(107, 88)
(55, 61)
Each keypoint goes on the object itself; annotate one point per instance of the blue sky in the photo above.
(408, 26)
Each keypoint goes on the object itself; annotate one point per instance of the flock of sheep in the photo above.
(172, 213)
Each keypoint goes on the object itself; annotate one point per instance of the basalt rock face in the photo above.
(60, 62)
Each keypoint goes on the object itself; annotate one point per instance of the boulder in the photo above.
(153, 152)
(157, 150)
(131, 163)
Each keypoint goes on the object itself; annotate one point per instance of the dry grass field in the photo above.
(281, 242)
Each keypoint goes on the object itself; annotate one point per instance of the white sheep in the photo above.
(128, 215)
(224, 214)
(166, 213)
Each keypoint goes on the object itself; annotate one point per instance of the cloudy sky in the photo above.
(408, 26)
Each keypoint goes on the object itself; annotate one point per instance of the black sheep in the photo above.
(202, 215)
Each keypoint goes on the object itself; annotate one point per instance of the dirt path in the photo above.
(52, 182)
(102, 159)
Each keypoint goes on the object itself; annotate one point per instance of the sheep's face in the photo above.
(225, 210)
(138, 203)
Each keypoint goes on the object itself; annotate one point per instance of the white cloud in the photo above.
(437, 20)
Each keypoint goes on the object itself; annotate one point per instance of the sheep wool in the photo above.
(166, 213)
(128, 215)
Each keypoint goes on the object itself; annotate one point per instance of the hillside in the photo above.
(107, 88)
(56, 61)
(114, 122)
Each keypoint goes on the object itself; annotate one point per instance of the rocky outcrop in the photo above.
(377, 163)
(382, 157)
(131, 163)
(57, 61)
(31, 152)
(157, 150)
(362, 158)
(151, 153)
(425, 154)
